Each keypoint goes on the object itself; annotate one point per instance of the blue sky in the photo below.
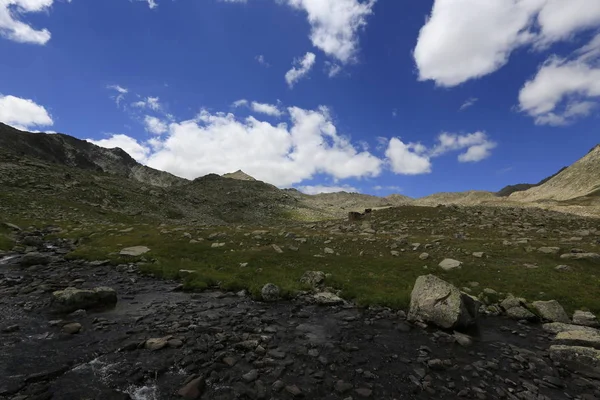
(377, 96)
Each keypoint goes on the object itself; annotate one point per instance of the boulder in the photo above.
(449, 264)
(72, 299)
(556, 327)
(551, 311)
(585, 318)
(327, 299)
(35, 258)
(579, 338)
(193, 390)
(270, 292)
(549, 250)
(583, 360)
(520, 313)
(581, 256)
(438, 302)
(313, 278)
(135, 251)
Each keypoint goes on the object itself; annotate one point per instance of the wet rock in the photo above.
(134, 251)
(556, 327)
(193, 390)
(10, 329)
(327, 299)
(34, 241)
(576, 358)
(363, 392)
(520, 312)
(34, 258)
(270, 292)
(77, 314)
(551, 310)
(72, 328)
(250, 376)
(462, 339)
(155, 344)
(436, 301)
(72, 299)
(313, 278)
(342, 387)
(579, 338)
(449, 264)
(585, 318)
(294, 390)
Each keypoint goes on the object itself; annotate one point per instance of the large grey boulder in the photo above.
(584, 360)
(585, 318)
(516, 308)
(436, 301)
(552, 311)
(557, 327)
(327, 299)
(579, 338)
(270, 292)
(449, 264)
(35, 258)
(72, 299)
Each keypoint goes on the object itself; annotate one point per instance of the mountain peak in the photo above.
(239, 175)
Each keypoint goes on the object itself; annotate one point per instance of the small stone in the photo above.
(327, 299)
(328, 250)
(449, 264)
(585, 318)
(478, 254)
(277, 385)
(135, 251)
(424, 256)
(193, 390)
(462, 339)
(549, 250)
(77, 314)
(229, 361)
(277, 248)
(250, 376)
(293, 390)
(342, 387)
(174, 343)
(34, 258)
(270, 292)
(72, 328)
(156, 343)
(364, 392)
(563, 268)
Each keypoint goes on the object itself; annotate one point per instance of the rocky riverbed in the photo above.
(161, 343)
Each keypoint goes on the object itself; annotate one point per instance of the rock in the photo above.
(72, 328)
(11, 226)
(155, 344)
(489, 296)
(563, 268)
(549, 250)
(576, 358)
(328, 250)
(436, 301)
(462, 339)
(424, 256)
(478, 254)
(135, 251)
(551, 310)
(250, 376)
(270, 292)
(585, 318)
(520, 312)
(78, 314)
(449, 264)
(11, 329)
(363, 392)
(294, 390)
(556, 327)
(581, 256)
(342, 387)
(327, 299)
(184, 273)
(217, 245)
(72, 299)
(193, 390)
(35, 258)
(277, 248)
(34, 241)
(579, 338)
(313, 278)
(512, 301)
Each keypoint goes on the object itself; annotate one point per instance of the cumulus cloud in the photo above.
(301, 67)
(335, 24)
(130, 145)
(564, 89)
(265, 108)
(12, 28)
(155, 125)
(467, 39)
(415, 158)
(318, 189)
(282, 154)
(23, 113)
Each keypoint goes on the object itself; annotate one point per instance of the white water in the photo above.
(143, 393)
(6, 259)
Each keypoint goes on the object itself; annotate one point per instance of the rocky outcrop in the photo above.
(436, 301)
(72, 299)
(551, 311)
(585, 318)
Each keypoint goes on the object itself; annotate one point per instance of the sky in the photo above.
(372, 96)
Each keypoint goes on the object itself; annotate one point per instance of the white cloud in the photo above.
(335, 24)
(152, 103)
(152, 4)
(155, 125)
(563, 89)
(332, 69)
(264, 108)
(317, 189)
(300, 68)
(14, 29)
(120, 93)
(407, 159)
(468, 103)
(130, 145)
(415, 158)
(467, 39)
(23, 113)
(262, 61)
(282, 154)
(240, 103)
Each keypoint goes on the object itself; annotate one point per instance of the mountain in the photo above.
(579, 180)
(72, 152)
(239, 175)
(521, 187)
(468, 198)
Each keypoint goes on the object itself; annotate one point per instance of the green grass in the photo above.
(6, 241)
(375, 278)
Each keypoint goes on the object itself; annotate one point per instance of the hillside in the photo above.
(468, 198)
(239, 175)
(72, 152)
(579, 180)
(521, 187)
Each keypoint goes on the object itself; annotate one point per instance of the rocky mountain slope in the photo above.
(72, 152)
(579, 180)
(239, 175)
(521, 187)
